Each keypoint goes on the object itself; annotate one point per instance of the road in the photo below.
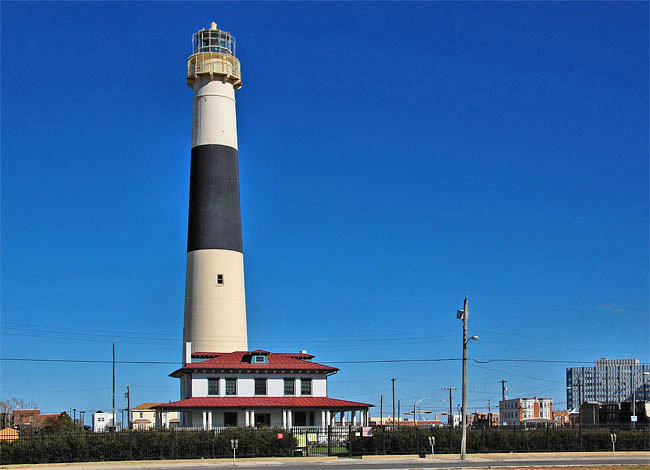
(413, 463)
(390, 465)
(345, 464)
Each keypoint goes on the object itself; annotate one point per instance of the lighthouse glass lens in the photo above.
(215, 41)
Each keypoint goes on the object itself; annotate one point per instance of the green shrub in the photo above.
(76, 446)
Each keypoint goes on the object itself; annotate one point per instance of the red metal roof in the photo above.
(262, 402)
(241, 360)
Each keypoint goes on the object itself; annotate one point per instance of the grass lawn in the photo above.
(322, 450)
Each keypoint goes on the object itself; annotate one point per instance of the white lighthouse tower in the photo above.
(215, 305)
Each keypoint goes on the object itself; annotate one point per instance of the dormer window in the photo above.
(259, 359)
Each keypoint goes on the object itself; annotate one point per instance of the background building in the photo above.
(9, 434)
(593, 413)
(484, 419)
(27, 419)
(520, 410)
(561, 417)
(102, 421)
(143, 417)
(608, 381)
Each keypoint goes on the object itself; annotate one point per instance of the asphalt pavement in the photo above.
(357, 464)
(384, 463)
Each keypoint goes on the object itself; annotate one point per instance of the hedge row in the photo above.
(145, 445)
(164, 444)
(409, 440)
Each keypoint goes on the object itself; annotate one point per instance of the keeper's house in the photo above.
(258, 388)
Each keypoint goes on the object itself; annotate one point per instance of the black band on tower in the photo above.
(215, 217)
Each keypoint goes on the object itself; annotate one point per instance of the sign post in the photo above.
(613, 436)
(432, 442)
(234, 445)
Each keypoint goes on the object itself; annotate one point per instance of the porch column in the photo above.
(252, 413)
(284, 419)
(289, 418)
(158, 419)
(323, 417)
(342, 418)
(247, 417)
(205, 420)
(210, 420)
(329, 417)
(354, 417)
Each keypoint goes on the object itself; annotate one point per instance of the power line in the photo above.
(368, 361)
(518, 375)
(110, 337)
(84, 361)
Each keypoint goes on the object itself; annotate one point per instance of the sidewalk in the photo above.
(367, 459)
(515, 456)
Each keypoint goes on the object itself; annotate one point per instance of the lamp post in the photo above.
(415, 418)
(462, 315)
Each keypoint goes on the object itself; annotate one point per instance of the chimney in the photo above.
(188, 353)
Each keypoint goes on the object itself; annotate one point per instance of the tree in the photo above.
(59, 423)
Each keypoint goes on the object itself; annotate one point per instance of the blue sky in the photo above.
(393, 158)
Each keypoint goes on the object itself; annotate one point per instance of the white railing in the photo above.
(214, 63)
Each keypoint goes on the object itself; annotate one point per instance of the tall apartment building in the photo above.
(521, 410)
(608, 381)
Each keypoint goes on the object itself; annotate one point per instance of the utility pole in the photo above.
(114, 415)
(415, 417)
(451, 408)
(393, 380)
(579, 401)
(381, 410)
(399, 412)
(463, 442)
(74, 416)
(128, 407)
(489, 415)
(633, 397)
(504, 390)
(580, 411)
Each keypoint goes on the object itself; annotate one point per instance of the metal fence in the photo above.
(350, 441)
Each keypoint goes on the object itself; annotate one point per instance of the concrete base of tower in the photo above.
(215, 307)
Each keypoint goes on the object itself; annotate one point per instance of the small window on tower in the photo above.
(220, 279)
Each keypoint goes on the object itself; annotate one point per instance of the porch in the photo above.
(286, 418)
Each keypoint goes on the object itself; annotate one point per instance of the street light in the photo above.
(415, 418)
(462, 315)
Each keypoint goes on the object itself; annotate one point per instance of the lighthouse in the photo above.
(215, 304)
